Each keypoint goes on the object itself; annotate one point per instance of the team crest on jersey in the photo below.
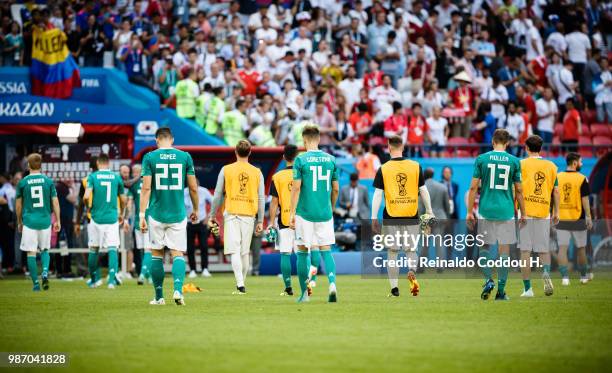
(401, 179)
(243, 179)
(539, 179)
(567, 190)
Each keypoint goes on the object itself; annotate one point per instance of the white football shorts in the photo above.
(314, 234)
(103, 235)
(170, 235)
(34, 239)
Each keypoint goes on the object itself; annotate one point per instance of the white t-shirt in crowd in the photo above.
(350, 90)
(513, 123)
(563, 83)
(499, 93)
(557, 41)
(436, 130)
(543, 108)
(534, 37)
(266, 35)
(577, 46)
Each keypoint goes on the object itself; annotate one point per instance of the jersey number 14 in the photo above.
(318, 175)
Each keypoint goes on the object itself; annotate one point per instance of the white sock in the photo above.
(237, 268)
(414, 258)
(245, 264)
(392, 271)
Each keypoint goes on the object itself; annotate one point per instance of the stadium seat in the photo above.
(602, 140)
(456, 148)
(600, 129)
(584, 148)
(586, 130)
(589, 116)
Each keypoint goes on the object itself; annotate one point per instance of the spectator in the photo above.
(572, 126)
(326, 122)
(578, 51)
(417, 131)
(234, 124)
(378, 32)
(345, 133)
(214, 109)
(603, 92)
(513, 122)
(547, 111)
(13, 47)
(463, 98)
(438, 132)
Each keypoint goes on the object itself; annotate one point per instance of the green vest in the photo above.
(264, 136)
(200, 115)
(232, 127)
(297, 133)
(212, 115)
(185, 99)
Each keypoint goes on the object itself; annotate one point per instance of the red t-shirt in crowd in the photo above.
(463, 98)
(570, 125)
(372, 80)
(417, 126)
(359, 123)
(251, 81)
(539, 66)
(396, 123)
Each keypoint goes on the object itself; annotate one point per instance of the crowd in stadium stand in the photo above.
(437, 73)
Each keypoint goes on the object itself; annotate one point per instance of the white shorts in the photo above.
(103, 235)
(34, 239)
(237, 234)
(564, 237)
(314, 234)
(535, 236)
(497, 231)
(413, 232)
(285, 242)
(142, 240)
(170, 235)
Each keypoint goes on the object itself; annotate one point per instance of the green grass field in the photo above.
(446, 328)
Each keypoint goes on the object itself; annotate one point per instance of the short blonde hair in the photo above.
(34, 161)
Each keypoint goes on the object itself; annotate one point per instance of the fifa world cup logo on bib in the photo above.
(401, 179)
(567, 190)
(539, 179)
(243, 179)
(290, 185)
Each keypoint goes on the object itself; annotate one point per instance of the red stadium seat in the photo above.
(586, 130)
(584, 148)
(589, 116)
(456, 148)
(602, 140)
(555, 149)
(600, 129)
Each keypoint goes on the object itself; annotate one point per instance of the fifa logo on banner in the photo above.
(401, 179)
(243, 179)
(567, 190)
(539, 179)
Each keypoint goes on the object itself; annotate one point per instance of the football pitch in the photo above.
(446, 328)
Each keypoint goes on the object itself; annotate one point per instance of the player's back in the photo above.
(36, 191)
(106, 186)
(168, 168)
(317, 170)
(497, 171)
(539, 178)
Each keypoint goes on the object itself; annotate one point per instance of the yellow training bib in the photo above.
(539, 178)
(570, 206)
(241, 188)
(401, 180)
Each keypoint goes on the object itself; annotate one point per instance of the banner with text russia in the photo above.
(54, 72)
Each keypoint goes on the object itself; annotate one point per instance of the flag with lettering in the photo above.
(54, 72)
